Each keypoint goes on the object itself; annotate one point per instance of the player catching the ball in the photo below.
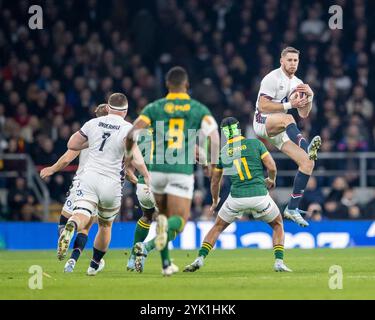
(243, 160)
(281, 90)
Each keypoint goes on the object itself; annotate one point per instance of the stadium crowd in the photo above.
(52, 79)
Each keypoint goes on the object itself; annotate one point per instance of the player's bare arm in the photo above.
(131, 137)
(209, 127)
(270, 165)
(60, 164)
(77, 142)
(268, 106)
(217, 175)
(139, 164)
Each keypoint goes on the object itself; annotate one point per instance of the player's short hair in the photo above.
(289, 50)
(118, 102)
(177, 76)
(230, 127)
(101, 110)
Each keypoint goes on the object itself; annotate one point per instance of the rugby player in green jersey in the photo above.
(243, 160)
(177, 121)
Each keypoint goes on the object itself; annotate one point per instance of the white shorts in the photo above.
(259, 124)
(104, 192)
(145, 196)
(70, 197)
(177, 184)
(262, 208)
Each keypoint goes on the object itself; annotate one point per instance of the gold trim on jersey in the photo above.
(264, 154)
(235, 139)
(145, 119)
(179, 95)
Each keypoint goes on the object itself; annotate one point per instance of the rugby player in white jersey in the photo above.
(281, 90)
(67, 210)
(100, 182)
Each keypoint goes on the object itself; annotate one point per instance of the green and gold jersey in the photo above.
(241, 159)
(145, 145)
(175, 121)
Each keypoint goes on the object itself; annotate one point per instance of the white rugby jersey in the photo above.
(83, 157)
(106, 144)
(277, 86)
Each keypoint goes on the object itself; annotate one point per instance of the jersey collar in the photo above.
(235, 139)
(179, 95)
(114, 116)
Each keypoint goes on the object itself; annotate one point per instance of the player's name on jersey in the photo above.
(109, 126)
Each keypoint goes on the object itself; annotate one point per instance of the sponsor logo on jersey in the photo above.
(171, 108)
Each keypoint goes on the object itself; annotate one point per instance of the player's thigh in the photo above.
(161, 203)
(277, 222)
(109, 192)
(231, 209)
(67, 210)
(297, 154)
(276, 123)
(159, 182)
(145, 196)
(264, 208)
(178, 206)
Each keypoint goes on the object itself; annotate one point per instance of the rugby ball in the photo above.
(295, 94)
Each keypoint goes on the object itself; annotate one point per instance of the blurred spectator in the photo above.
(20, 200)
(312, 194)
(314, 212)
(359, 103)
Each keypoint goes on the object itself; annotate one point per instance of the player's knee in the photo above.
(147, 215)
(104, 224)
(307, 165)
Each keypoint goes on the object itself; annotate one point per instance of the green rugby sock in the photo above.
(205, 249)
(141, 232)
(278, 251)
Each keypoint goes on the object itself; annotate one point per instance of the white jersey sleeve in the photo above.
(268, 87)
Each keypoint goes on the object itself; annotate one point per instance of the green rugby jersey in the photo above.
(171, 118)
(146, 146)
(242, 159)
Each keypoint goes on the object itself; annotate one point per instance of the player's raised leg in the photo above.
(80, 220)
(141, 249)
(78, 246)
(147, 204)
(305, 169)
(207, 244)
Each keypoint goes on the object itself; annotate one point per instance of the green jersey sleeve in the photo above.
(146, 114)
(262, 149)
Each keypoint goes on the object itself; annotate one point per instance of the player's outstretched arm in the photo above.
(60, 164)
(139, 163)
(209, 128)
(131, 137)
(217, 174)
(270, 165)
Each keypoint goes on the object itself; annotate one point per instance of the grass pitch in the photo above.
(227, 274)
